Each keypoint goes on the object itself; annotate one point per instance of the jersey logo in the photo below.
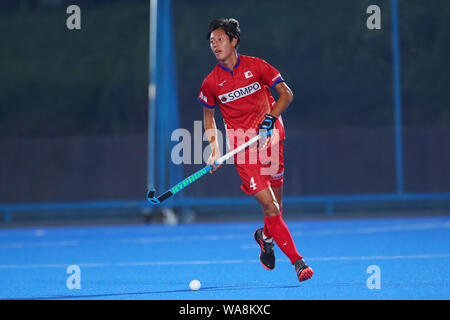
(248, 74)
(222, 83)
(240, 93)
(277, 76)
(202, 96)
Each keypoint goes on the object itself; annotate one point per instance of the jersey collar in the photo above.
(235, 66)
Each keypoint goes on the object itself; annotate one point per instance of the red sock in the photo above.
(280, 233)
(266, 230)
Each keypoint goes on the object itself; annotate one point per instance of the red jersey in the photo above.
(242, 94)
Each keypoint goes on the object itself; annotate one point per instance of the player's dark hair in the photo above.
(229, 25)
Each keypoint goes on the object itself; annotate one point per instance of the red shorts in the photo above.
(267, 171)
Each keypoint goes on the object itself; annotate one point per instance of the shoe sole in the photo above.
(263, 264)
(265, 267)
(305, 274)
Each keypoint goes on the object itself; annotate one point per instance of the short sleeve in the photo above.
(268, 74)
(206, 96)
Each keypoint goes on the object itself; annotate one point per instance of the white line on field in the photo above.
(38, 244)
(320, 232)
(232, 236)
(210, 262)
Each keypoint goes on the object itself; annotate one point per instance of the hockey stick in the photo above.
(197, 175)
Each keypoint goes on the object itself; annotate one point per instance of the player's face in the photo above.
(221, 45)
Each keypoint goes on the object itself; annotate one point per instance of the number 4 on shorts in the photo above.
(252, 183)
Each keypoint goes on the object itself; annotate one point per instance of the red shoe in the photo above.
(304, 272)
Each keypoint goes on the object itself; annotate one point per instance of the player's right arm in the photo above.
(211, 132)
(207, 98)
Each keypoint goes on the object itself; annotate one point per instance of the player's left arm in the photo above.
(285, 98)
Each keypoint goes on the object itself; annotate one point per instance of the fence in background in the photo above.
(357, 131)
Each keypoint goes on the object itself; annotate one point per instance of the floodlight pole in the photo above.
(152, 96)
(397, 98)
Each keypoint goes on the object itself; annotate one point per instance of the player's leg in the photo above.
(280, 233)
(275, 224)
(276, 181)
(277, 228)
(270, 208)
(267, 190)
(278, 192)
(266, 198)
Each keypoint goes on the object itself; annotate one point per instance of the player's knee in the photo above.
(271, 209)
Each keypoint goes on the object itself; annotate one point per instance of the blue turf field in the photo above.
(157, 262)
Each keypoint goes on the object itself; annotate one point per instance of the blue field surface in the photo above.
(157, 262)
